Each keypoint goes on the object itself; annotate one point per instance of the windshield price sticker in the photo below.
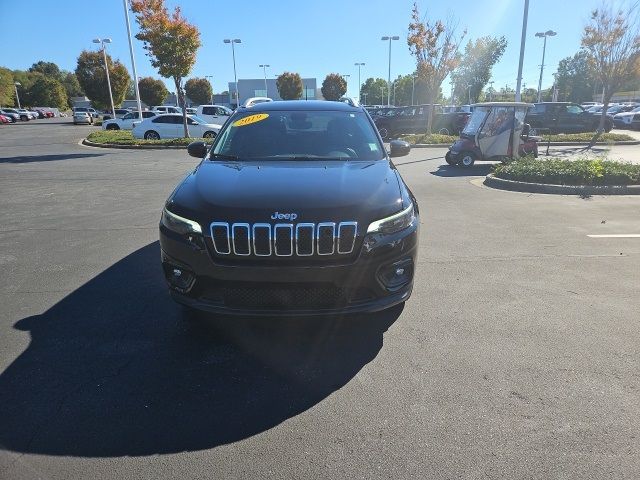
(258, 117)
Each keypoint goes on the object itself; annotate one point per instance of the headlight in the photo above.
(179, 224)
(394, 223)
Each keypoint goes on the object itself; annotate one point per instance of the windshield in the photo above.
(475, 121)
(296, 135)
(197, 119)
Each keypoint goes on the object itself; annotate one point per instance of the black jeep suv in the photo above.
(414, 120)
(295, 209)
(564, 117)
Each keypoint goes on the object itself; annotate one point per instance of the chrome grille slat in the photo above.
(284, 239)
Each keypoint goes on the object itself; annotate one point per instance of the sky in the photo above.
(311, 38)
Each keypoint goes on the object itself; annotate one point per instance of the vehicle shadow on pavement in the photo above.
(48, 158)
(473, 171)
(113, 369)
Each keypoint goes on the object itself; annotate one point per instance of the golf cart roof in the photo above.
(502, 104)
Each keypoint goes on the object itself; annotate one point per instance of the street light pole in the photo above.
(133, 60)
(389, 38)
(359, 84)
(381, 94)
(15, 85)
(106, 69)
(347, 82)
(365, 97)
(469, 91)
(523, 40)
(548, 33)
(413, 87)
(233, 53)
(264, 69)
(491, 91)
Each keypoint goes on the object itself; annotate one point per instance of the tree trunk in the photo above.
(181, 103)
(430, 97)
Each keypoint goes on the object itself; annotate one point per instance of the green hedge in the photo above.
(124, 137)
(429, 139)
(586, 137)
(570, 172)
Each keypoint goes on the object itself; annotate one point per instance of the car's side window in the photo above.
(573, 109)
(162, 119)
(128, 116)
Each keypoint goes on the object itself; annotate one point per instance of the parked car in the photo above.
(626, 119)
(11, 114)
(414, 120)
(166, 109)
(250, 102)
(169, 125)
(564, 117)
(217, 114)
(120, 112)
(4, 119)
(126, 122)
(82, 117)
(620, 108)
(296, 210)
(23, 115)
(93, 113)
(191, 111)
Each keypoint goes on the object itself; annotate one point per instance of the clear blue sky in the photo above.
(311, 38)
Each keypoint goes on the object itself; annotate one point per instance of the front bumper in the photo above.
(367, 282)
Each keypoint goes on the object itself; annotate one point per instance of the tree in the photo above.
(612, 43)
(93, 79)
(47, 92)
(71, 85)
(289, 86)
(171, 43)
(152, 91)
(48, 69)
(372, 91)
(474, 71)
(435, 46)
(334, 86)
(199, 90)
(575, 78)
(7, 93)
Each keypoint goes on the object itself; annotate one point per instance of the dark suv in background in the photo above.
(414, 120)
(564, 117)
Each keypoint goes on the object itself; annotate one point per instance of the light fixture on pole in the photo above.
(210, 77)
(133, 60)
(523, 40)
(491, 91)
(359, 84)
(389, 38)
(264, 69)
(548, 33)
(233, 53)
(106, 69)
(347, 82)
(16, 85)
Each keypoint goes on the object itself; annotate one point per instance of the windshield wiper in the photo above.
(223, 156)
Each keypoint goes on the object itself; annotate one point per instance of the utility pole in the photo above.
(548, 33)
(359, 64)
(133, 59)
(395, 37)
(523, 40)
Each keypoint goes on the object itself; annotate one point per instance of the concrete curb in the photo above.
(133, 147)
(514, 186)
(540, 144)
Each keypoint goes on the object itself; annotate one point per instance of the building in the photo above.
(255, 87)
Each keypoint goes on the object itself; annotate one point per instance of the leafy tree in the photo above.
(7, 93)
(48, 69)
(372, 89)
(612, 43)
(171, 43)
(435, 47)
(47, 92)
(71, 85)
(199, 90)
(289, 86)
(334, 86)
(93, 79)
(152, 91)
(475, 66)
(575, 78)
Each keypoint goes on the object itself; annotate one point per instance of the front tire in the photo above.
(151, 135)
(384, 133)
(444, 131)
(467, 159)
(450, 160)
(209, 135)
(113, 127)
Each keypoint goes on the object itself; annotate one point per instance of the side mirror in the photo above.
(197, 149)
(399, 148)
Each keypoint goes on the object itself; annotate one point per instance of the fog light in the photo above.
(396, 275)
(179, 278)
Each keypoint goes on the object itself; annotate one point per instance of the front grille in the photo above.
(284, 239)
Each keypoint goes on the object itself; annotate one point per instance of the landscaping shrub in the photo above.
(429, 139)
(586, 137)
(124, 137)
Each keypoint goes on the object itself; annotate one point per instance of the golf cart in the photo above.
(492, 133)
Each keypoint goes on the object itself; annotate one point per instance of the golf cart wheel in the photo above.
(151, 135)
(450, 160)
(113, 126)
(209, 135)
(384, 133)
(467, 159)
(444, 131)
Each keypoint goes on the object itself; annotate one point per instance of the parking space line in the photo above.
(617, 235)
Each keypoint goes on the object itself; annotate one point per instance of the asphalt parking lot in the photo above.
(518, 355)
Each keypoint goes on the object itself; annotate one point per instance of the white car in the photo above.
(214, 113)
(166, 109)
(29, 114)
(624, 119)
(82, 117)
(169, 125)
(126, 122)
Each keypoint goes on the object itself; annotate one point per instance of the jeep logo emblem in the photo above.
(284, 216)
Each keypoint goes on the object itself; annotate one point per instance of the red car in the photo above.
(4, 119)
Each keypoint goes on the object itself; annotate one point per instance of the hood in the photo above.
(315, 191)
(625, 114)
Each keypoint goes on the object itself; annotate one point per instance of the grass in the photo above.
(597, 172)
(124, 137)
(586, 137)
(429, 139)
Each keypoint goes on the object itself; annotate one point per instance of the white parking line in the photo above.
(617, 235)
